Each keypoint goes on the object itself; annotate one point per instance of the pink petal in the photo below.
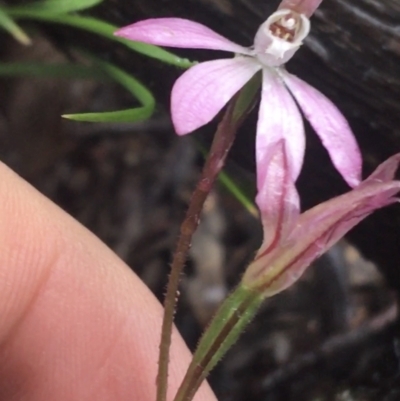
(385, 171)
(331, 127)
(278, 118)
(178, 32)
(318, 234)
(336, 213)
(202, 91)
(322, 226)
(306, 7)
(318, 229)
(277, 199)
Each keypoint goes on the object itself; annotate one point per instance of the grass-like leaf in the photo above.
(238, 193)
(120, 116)
(104, 29)
(8, 24)
(57, 6)
(99, 70)
(138, 90)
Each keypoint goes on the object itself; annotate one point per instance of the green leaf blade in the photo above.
(238, 193)
(54, 7)
(104, 29)
(8, 24)
(120, 116)
(136, 88)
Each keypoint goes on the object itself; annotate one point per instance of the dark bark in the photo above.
(352, 55)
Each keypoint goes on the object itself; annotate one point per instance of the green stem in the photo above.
(238, 193)
(232, 317)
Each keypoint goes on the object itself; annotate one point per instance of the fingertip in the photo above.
(76, 323)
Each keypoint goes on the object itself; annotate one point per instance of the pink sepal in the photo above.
(319, 228)
(277, 199)
(331, 126)
(178, 32)
(278, 118)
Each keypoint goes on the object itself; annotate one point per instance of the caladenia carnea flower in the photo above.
(291, 242)
(202, 91)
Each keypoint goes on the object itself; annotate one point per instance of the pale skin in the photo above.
(75, 323)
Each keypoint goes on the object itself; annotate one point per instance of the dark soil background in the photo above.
(332, 336)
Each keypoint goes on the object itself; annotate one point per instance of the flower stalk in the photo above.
(236, 112)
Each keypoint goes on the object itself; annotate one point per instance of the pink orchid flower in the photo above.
(202, 91)
(292, 240)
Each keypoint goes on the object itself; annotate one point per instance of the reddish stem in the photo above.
(221, 144)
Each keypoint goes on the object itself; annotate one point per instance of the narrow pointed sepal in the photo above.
(179, 33)
(278, 119)
(321, 227)
(331, 126)
(277, 199)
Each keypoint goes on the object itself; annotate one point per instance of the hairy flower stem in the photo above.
(236, 112)
(222, 142)
(232, 317)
